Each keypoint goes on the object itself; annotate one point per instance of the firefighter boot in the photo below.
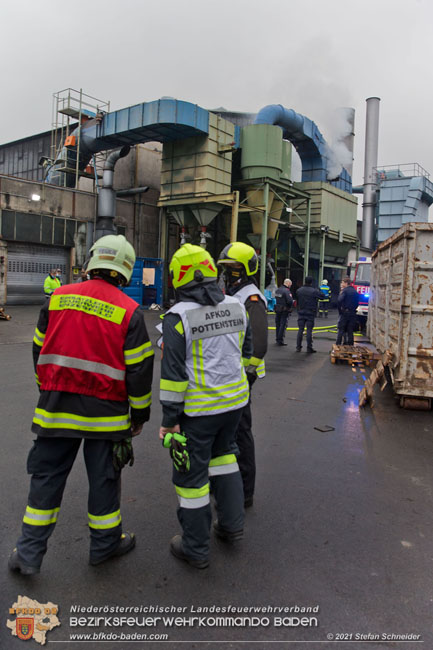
(16, 564)
(126, 544)
(176, 548)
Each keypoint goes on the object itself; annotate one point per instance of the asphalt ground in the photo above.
(342, 519)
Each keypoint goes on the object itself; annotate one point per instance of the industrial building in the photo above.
(168, 171)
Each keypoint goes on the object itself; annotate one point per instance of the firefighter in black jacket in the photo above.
(240, 264)
(347, 304)
(283, 307)
(93, 362)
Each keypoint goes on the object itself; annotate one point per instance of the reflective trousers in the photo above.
(323, 307)
(212, 450)
(49, 462)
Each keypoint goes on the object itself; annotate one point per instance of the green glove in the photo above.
(123, 453)
(176, 443)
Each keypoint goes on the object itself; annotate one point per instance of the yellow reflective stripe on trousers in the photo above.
(36, 517)
(49, 420)
(223, 465)
(135, 355)
(88, 305)
(38, 338)
(193, 498)
(111, 520)
(140, 402)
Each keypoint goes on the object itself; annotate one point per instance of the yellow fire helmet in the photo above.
(240, 253)
(113, 253)
(192, 265)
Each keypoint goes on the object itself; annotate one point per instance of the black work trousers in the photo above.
(346, 325)
(212, 451)
(280, 324)
(49, 462)
(247, 455)
(305, 322)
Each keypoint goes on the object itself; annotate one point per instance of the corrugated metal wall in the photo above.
(28, 266)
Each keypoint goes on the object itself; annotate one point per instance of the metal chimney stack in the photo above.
(370, 163)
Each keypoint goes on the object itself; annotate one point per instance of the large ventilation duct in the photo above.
(315, 154)
(163, 120)
(107, 196)
(370, 163)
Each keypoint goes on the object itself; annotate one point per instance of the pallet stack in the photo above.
(352, 354)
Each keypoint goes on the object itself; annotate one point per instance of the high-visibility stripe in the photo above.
(36, 517)
(255, 361)
(193, 498)
(49, 420)
(171, 396)
(246, 361)
(38, 337)
(175, 386)
(179, 327)
(223, 465)
(37, 379)
(192, 493)
(111, 520)
(221, 405)
(88, 305)
(195, 361)
(261, 369)
(140, 402)
(219, 389)
(138, 354)
(214, 395)
(227, 459)
(200, 360)
(81, 364)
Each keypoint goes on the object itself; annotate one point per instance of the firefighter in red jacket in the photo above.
(94, 364)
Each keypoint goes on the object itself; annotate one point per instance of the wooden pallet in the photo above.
(4, 316)
(352, 354)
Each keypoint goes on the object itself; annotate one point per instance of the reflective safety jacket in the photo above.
(93, 362)
(51, 284)
(324, 288)
(213, 378)
(256, 306)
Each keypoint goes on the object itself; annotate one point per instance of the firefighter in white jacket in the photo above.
(204, 387)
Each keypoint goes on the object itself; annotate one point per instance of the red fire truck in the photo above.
(360, 273)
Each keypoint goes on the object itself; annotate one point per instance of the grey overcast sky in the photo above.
(309, 55)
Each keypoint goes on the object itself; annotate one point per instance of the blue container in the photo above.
(146, 295)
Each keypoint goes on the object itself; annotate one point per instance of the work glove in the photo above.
(176, 443)
(123, 454)
(251, 372)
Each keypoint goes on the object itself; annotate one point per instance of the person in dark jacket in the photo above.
(283, 307)
(347, 304)
(307, 298)
(240, 263)
(93, 362)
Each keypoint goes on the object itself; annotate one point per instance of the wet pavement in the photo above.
(342, 519)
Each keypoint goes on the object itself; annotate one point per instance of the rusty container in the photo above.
(400, 315)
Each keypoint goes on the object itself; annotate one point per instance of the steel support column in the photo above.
(264, 240)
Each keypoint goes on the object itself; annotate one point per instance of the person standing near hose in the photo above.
(203, 389)
(348, 302)
(283, 307)
(94, 363)
(240, 263)
(324, 303)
